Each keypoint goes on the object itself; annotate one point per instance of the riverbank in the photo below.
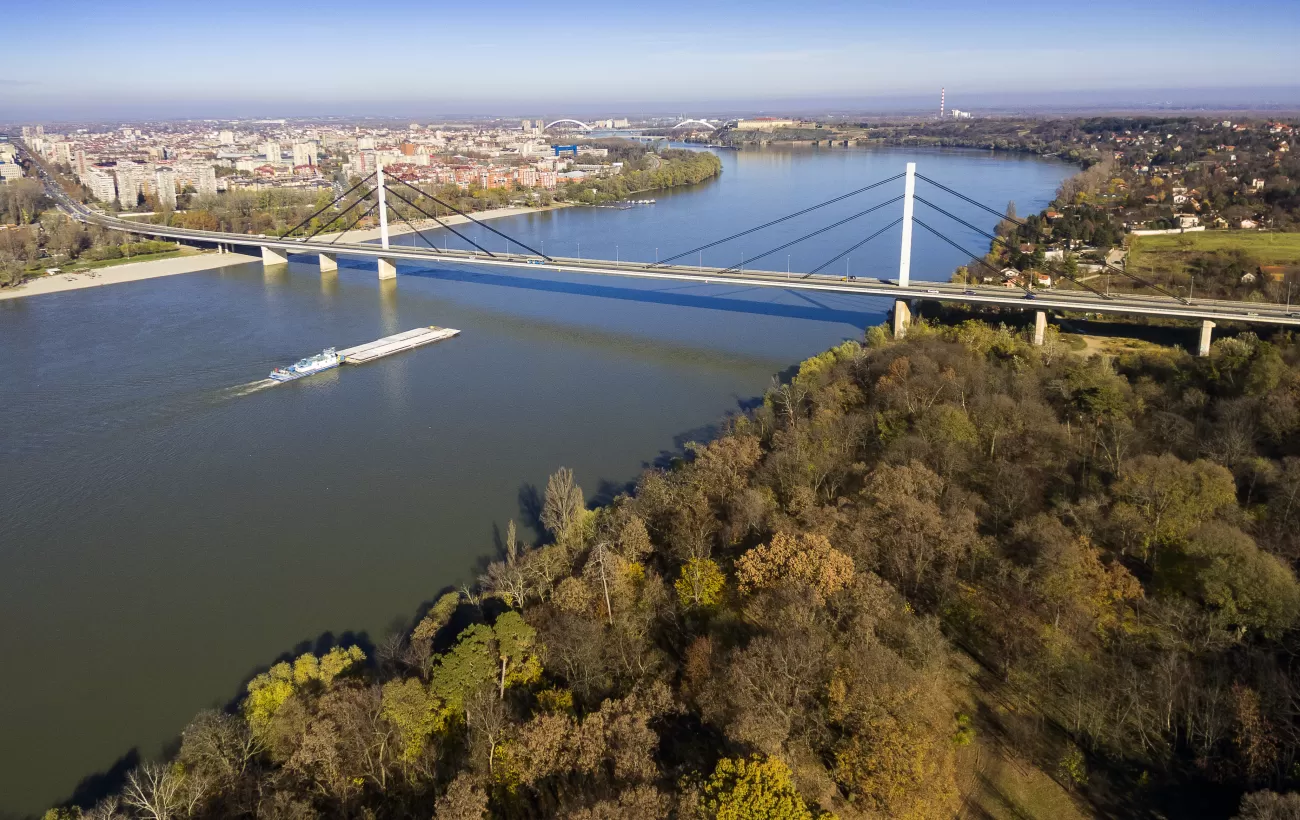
(141, 390)
(398, 228)
(127, 272)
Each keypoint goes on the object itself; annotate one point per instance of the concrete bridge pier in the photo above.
(902, 318)
(387, 269)
(329, 262)
(1040, 327)
(274, 257)
(1207, 327)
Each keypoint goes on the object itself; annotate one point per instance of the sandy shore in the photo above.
(397, 227)
(135, 271)
(129, 272)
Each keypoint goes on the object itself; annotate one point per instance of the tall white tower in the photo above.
(942, 93)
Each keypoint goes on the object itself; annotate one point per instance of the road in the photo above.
(1048, 299)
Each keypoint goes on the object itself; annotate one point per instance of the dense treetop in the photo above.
(781, 624)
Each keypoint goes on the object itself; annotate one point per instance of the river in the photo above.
(168, 527)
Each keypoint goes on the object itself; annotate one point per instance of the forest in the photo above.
(667, 169)
(910, 550)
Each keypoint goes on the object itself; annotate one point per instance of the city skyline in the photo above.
(246, 59)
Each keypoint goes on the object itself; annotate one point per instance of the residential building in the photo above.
(165, 184)
(204, 180)
(271, 149)
(101, 184)
(364, 163)
(131, 182)
(226, 137)
(304, 153)
(10, 171)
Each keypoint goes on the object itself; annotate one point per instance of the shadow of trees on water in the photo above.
(94, 787)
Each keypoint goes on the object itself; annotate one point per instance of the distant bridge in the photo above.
(705, 123)
(581, 125)
(679, 267)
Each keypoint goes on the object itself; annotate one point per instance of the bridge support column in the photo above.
(902, 318)
(1207, 327)
(274, 257)
(1040, 327)
(387, 268)
(329, 262)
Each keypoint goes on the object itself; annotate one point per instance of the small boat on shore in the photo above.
(327, 359)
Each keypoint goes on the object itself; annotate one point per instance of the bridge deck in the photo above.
(1053, 299)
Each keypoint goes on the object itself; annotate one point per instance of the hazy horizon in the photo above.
(151, 59)
(1173, 101)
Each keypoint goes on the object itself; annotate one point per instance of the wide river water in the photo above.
(168, 526)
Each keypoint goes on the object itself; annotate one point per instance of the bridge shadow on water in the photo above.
(814, 309)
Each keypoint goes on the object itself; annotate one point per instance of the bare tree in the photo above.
(219, 744)
(155, 790)
(564, 503)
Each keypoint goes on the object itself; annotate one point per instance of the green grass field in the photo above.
(108, 263)
(1149, 252)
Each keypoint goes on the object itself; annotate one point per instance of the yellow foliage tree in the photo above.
(700, 583)
(805, 557)
(268, 691)
(895, 766)
(755, 789)
(414, 712)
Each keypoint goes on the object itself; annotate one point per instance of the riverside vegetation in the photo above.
(36, 236)
(911, 549)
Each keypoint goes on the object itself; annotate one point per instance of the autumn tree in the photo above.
(804, 557)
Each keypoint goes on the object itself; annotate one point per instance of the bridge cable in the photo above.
(332, 204)
(1044, 236)
(342, 233)
(439, 221)
(833, 225)
(978, 259)
(475, 221)
(1007, 244)
(339, 215)
(810, 209)
(411, 224)
(854, 247)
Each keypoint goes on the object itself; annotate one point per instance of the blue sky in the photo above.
(183, 58)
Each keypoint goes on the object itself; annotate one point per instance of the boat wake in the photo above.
(246, 389)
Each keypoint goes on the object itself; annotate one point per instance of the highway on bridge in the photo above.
(1056, 299)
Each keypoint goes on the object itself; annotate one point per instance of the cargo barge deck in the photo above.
(387, 346)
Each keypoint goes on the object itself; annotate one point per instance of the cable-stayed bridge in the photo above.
(377, 194)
